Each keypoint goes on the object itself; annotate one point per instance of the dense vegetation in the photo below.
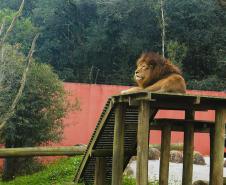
(98, 41)
(37, 118)
(32, 98)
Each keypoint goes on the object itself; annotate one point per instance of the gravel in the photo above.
(200, 172)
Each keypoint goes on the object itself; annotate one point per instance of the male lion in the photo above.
(157, 74)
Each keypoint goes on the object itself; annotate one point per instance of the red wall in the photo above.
(92, 98)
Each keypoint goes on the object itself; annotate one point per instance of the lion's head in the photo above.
(152, 67)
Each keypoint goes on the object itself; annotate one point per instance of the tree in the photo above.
(23, 31)
(38, 116)
(90, 40)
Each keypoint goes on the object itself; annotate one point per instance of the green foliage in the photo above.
(23, 32)
(60, 172)
(176, 52)
(98, 41)
(200, 26)
(38, 116)
(209, 83)
(41, 107)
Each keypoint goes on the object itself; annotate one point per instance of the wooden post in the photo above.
(165, 155)
(188, 149)
(211, 152)
(143, 143)
(218, 148)
(100, 172)
(118, 146)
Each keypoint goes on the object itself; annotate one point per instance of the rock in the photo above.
(128, 171)
(224, 163)
(133, 158)
(198, 159)
(200, 182)
(176, 156)
(153, 154)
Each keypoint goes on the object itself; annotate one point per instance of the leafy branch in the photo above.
(9, 114)
(5, 117)
(12, 24)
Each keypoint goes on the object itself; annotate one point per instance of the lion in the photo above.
(157, 74)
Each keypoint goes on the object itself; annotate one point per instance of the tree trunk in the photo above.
(9, 165)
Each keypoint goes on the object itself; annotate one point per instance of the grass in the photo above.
(60, 172)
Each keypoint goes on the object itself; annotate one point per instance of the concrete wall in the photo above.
(79, 124)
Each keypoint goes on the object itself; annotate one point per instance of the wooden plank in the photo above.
(118, 146)
(175, 101)
(165, 155)
(100, 175)
(143, 143)
(188, 149)
(218, 148)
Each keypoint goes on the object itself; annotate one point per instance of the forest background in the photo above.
(98, 41)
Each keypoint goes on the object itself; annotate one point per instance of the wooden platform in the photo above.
(123, 130)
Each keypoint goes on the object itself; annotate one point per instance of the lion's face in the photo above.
(142, 74)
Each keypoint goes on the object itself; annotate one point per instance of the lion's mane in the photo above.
(162, 67)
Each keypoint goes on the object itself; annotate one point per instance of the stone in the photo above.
(200, 182)
(198, 158)
(153, 154)
(176, 156)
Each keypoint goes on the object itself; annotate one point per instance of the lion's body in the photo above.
(156, 74)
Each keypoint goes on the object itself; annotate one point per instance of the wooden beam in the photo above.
(55, 151)
(211, 134)
(118, 145)
(100, 172)
(178, 125)
(188, 149)
(218, 148)
(165, 155)
(142, 143)
(42, 151)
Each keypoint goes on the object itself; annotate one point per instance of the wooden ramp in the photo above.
(131, 111)
(101, 143)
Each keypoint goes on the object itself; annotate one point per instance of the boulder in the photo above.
(198, 159)
(176, 156)
(200, 182)
(128, 171)
(153, 154)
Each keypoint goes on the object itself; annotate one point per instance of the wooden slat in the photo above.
(118, 147)
(143, 143)
(188, 149)
(218, 148)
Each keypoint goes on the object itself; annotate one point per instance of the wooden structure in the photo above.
(123, 131)
(43, 151)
